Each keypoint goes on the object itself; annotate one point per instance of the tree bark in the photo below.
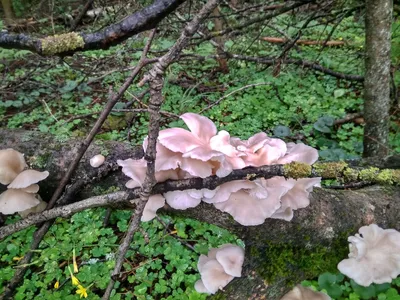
(277, 252)
(378, 20)
(8, 11)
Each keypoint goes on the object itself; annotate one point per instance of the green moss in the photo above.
(99, 190)
(330, 169)
(56, 44)
(40, 162)
(388, 177)
(293, 262)
(297, 170)
(350, 175)
(369, 174)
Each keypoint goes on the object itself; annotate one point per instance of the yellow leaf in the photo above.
(74, 261)
(57, 284)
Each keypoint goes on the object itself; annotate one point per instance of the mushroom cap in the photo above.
(97, 160)
(36, 209)
(200, 288)
(249, 209)
(300, 153)
(231, 258)
(33, 188)
(153, 204)
(302, 293)
(374, 256)
(12, 201)
(12, 163)
(183, 199)
(214, 277)
(296, 197)
(27, 178)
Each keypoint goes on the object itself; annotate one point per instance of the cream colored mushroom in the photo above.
(214, 277)
(33, 188)
(97, 160)
(153, 204)
(12, 163)
(36, 209)
(302, 293)
(12, 201)
(27, 178)
(231, 258)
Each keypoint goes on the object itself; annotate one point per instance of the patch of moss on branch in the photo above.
(330, 169)
(56, 44)
(297, 170)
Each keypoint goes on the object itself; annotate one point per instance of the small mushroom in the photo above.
(27, 178)
(97, 160)
(214, 277)
(12, 201)
(12, 163)
(231, 258)
(153, 204)
(302, 293)
(33, 188)
(36, 209)
(200, 288)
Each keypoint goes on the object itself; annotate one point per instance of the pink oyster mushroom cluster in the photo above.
(202, 151)
(219, 267)
(374, 256)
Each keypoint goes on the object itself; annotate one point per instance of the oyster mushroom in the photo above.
(12, 201)
(12, 163)
(27, 178)
(302, 293)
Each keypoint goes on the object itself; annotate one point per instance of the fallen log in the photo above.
(278, 253)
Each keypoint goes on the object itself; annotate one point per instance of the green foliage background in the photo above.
(64, 97)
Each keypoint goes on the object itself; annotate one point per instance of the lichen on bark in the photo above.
(55, 44)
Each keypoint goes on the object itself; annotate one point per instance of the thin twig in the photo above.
(81, 15)
(135, 218)
(39, 234)
(231, 93)
(155, 77)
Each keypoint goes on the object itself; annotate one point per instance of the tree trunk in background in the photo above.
(218, 26)
(8, 12)
(378, 20)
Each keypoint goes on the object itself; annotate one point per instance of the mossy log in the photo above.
(278, 253)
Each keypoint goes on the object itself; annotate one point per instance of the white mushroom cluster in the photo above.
(219, 267)
(21, 195)
(374, 256)
(302, 293)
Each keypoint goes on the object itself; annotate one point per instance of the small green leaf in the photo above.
(339, 93)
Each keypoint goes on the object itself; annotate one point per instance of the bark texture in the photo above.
(277, 252)
(378, 20)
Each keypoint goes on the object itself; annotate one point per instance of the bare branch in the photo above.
(68, 43)
(156, 80)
